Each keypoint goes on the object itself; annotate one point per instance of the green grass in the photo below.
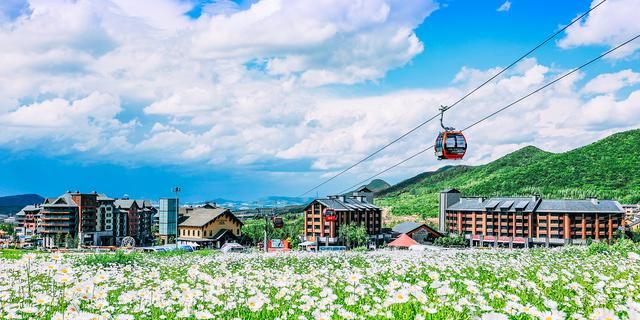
(106, 259)
(12, 254)
(607, 169)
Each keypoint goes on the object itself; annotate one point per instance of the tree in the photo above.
(353, 235)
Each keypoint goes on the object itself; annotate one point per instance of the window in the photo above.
(451, 142)
(460, 142)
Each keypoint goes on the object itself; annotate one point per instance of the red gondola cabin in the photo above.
(278, 223)
(450, 145)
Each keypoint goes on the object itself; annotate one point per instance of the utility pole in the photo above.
(266, 237)
(177, 191)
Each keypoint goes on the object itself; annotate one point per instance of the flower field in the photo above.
(571, 283)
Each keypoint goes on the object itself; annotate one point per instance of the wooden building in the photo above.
(357, 208)
(208, 226)
(530, 220)
(420, 232)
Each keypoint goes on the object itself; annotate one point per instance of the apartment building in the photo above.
(58, 220)
(28, 220)
(357, 208)
(105, 221)
(529, 220)
(135, 220)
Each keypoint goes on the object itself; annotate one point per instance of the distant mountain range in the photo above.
(10, 205)
(20, 200)
(268, 202)
(607, 169)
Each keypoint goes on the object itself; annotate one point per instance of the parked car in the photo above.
(232, 247)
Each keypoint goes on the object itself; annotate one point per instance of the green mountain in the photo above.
(378, 185)
(607, 169)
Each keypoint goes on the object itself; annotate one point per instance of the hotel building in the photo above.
(529, 220)
(357, 209)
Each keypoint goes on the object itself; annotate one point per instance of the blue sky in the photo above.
(248, 99)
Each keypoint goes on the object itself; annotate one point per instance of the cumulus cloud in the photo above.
(612, 82)
(133, 82)
(62, 126)
(612, 23)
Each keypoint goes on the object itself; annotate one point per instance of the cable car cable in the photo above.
(503, 108)
(455, 103)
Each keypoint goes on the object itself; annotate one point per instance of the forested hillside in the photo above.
(609, 168)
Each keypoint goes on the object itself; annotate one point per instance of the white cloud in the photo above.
(328, 41)
(504, 7)
(112, 81)
(612, 82)
(612, 23)
(62, 126)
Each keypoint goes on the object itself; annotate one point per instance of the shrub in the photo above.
(453, 240)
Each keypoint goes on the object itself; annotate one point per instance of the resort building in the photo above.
(139, 219)
(27, 220)
(420, 232)
(105, 221)
(357, 208)
(59, 220)
(208, 226)
(632, 215)
(529, 220)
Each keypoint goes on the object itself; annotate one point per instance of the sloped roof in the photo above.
(64, 200)
(605, 206)
(201, 216)
(527, 204)
(406, 227)
(124, 203)
(104, 197)
(409, 226)
(348, 204)
(403, 241)
(29, 208)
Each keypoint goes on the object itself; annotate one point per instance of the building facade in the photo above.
(168, 218)
(208, 226)
(357, 209)
(58, 220)
(87, 217)
(105, 221)
(420, 232)
(135, 220)
(632, 215)
(28, 220)
(529, 220)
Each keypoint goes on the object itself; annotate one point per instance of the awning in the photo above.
(307, 243)
(403, 241)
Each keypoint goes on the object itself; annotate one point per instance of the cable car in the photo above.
(329, 215)
(450, 144)
(278, 222)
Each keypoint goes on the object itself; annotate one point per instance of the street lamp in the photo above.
(177, 190)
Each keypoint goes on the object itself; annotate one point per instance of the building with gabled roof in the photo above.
(419, 232)
(357, 208)
(208, 226)
(28, 220)
(530, 220)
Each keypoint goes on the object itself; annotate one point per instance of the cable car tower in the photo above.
(450, 144)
